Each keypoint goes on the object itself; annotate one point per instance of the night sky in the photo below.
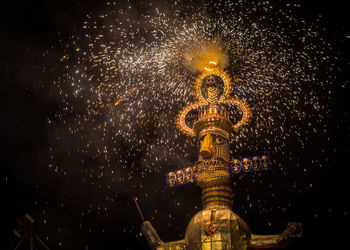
(75, 207)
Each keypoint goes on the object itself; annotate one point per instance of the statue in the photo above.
(217, 226)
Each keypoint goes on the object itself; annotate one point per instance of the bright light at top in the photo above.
(211, 66)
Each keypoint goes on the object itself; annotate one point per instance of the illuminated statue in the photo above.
(217, 226)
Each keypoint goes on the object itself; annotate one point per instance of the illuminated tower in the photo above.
(217, 226)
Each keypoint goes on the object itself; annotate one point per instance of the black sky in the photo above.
(30, 28)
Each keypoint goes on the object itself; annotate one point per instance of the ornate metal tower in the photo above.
(216, 226)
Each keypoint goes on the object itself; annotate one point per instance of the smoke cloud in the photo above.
(200, 56)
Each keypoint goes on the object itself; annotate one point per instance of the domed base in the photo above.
(217, 227)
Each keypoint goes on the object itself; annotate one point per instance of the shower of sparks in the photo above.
(128, 73)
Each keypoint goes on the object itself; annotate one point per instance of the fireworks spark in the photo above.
(126, 79)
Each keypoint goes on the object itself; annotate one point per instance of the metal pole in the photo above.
(31, 242)
(42, 243)
(19, 243)
(137, 205)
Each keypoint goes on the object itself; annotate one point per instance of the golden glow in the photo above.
(206, 57)
(211, 66)
(118, 101)
(225, 98)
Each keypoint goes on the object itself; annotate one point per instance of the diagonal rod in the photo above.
(138, 208)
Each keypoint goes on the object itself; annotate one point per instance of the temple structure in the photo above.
(216, 226)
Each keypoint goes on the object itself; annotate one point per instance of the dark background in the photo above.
(28, 29)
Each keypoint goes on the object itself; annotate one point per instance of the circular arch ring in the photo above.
(243, 106)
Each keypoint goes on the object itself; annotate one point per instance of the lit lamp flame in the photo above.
(211, 66)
